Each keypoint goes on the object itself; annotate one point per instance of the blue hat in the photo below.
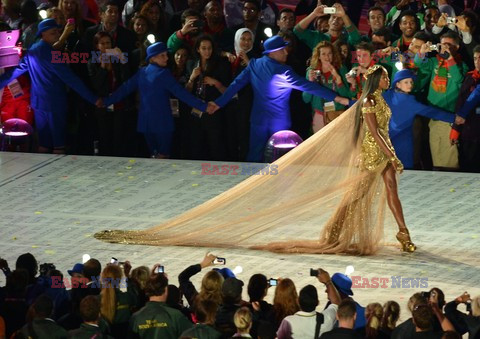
(273, 44)
(156, 48)
(45, 25)
(342, 283)
(78, 268)
(225, 272)
(401, 75)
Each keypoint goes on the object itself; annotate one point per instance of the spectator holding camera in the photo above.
(211, 288)
(337, 22)
(326, 69)
(447, 72)
(308, 323)
(258, 286)
(364, 59)
(191, 28)
(423, 319)
(156, 319)
(462, 322)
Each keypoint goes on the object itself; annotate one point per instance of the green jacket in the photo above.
(311, 38)
(157, 320)
(44, 329)
(202, 331)
(447, 98)
(318, 102)
(87, 331)
(423, 76)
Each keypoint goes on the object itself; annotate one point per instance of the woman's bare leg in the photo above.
(395, 205)
(392, 197)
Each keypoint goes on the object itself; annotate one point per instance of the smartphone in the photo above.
(114, 261)
(313, 273)
(71, 21)
(329, 10)
(272, 282)
(160, 269)
(219, 261)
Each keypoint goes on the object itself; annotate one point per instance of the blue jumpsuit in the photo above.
(404, 108)
(48, 93)
(472, 102)
(155, 120)
(272, 83)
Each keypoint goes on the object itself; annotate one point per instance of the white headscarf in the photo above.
(238, 35)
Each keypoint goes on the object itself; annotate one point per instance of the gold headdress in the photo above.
(373, 69)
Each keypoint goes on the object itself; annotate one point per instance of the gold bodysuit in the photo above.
(372, 156)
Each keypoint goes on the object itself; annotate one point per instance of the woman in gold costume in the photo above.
(340, 178)
(377, 149)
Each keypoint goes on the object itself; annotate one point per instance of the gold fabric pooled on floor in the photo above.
(322, 179)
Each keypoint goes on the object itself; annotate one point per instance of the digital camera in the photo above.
(329, 10)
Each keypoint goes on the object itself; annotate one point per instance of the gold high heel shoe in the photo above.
(406, 242)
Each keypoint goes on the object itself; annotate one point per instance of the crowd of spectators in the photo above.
(211, 42)
(116, 300)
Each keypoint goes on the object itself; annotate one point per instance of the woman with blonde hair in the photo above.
(391, 314)
(373, 315)
(243, 323)
(212, 282)
(115, 305)
(136, 285)
(285, 301)
(326, 69)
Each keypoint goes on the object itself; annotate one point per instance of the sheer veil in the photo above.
(318, 184)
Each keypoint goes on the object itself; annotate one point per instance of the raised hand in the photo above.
(318, 11)
(208, 260)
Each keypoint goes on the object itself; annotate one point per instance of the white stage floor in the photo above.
(52, 206)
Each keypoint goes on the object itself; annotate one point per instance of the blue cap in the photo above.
(45, 25)
(225, 272)
(78, 268)
(342, 283)
(402, 75)
(273, 44)
(156, 48)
